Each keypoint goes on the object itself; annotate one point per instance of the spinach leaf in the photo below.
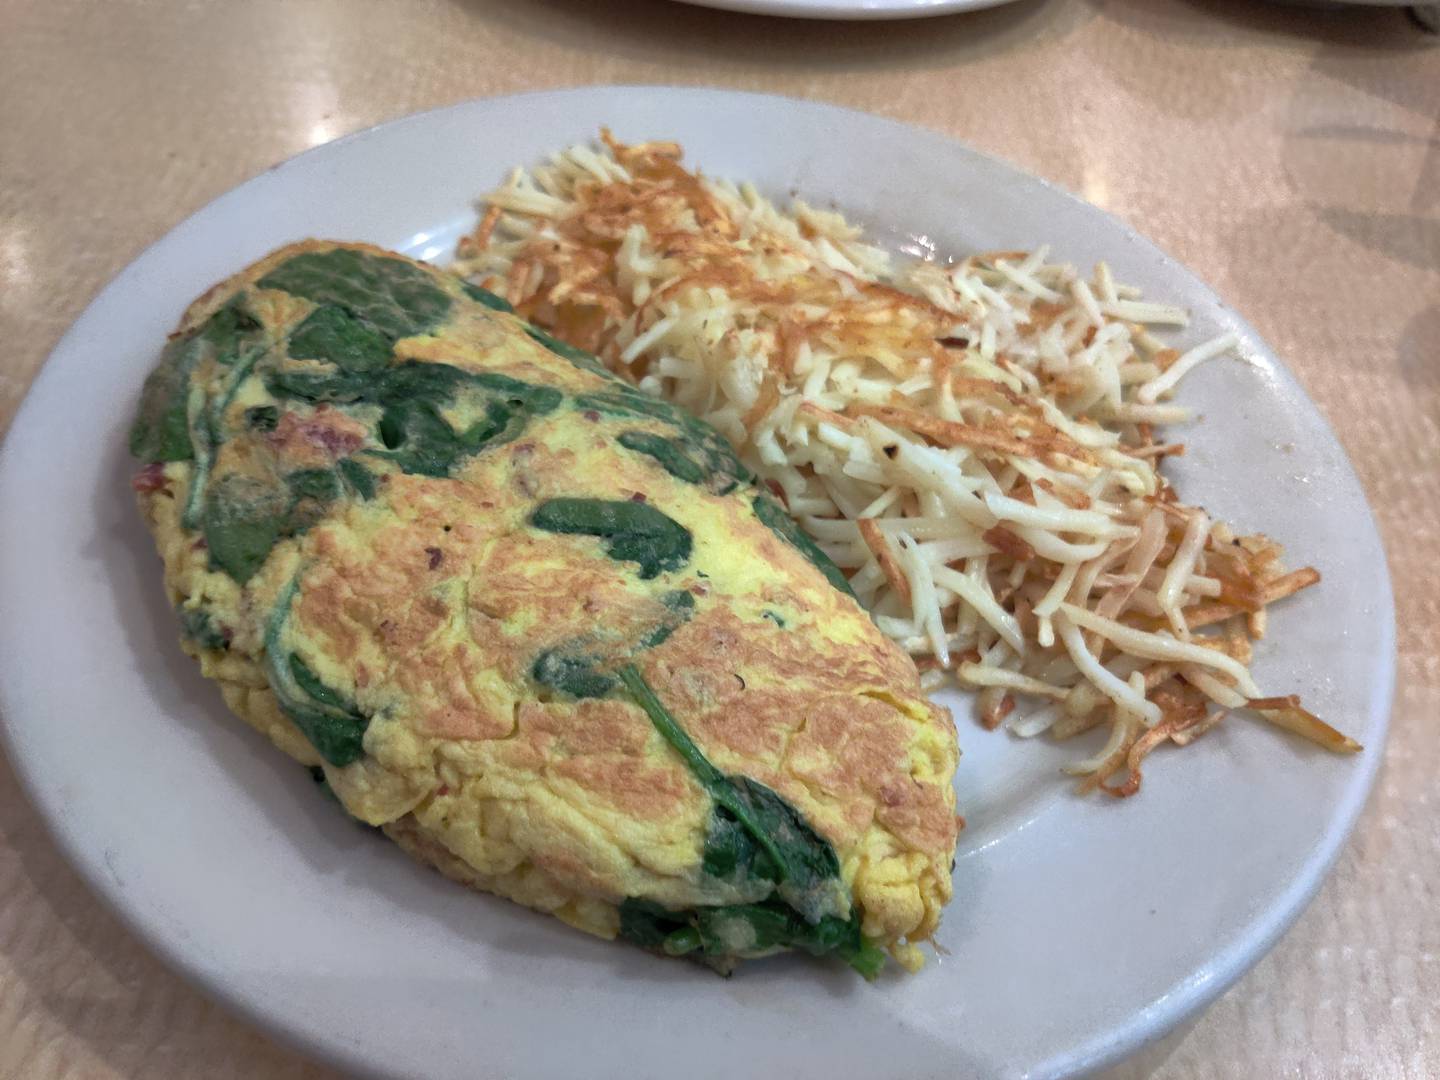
(733, 853)
(633, 532)
(488, 298)
(359, 479)
(770, 926)
(625, 400)
(417, 438)
(416, 379)
(317, 387)
(421, 441)
(700, 438)
(332, 333)
(196, 420)
(581, 668)
(709, 777)
(319, 484)
(572, 672)
(337, 732)
(578, 357)
(161, 431)
(441, 382)
(308, 681)
(754, 834)
(646, 923)
(262, 418)
(396, 298)
(311, 493)
(242, 520)
(680, 601)
(723, 931)
(518, 394)
(198, 625)
(670, 453)
(681, 605)
(332, 724)
(204, 430)
(696, 453)
(682, 941)
(783, 525)
(699, 444)
(225, 331)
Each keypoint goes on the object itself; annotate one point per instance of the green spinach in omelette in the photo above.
(341, 355)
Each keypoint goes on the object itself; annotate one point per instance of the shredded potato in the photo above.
(972, 442)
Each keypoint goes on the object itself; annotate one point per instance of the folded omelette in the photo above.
(545, 630)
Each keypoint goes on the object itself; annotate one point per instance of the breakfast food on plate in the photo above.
(543, 629)
(971, 442)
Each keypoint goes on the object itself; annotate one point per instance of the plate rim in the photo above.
(1185, 999)
(841, 10)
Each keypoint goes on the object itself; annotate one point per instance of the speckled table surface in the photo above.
(1290, 156)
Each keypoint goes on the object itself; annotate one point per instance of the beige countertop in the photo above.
(1291, 157)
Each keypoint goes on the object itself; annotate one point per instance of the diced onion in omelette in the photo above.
(542, 628)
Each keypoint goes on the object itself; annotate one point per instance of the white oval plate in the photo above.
(1080, 927)
(849, 9)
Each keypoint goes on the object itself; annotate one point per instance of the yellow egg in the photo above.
(544, 630)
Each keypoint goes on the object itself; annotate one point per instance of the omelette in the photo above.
(543, 629)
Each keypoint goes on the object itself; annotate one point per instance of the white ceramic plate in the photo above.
(1080, 927)
(850, 9)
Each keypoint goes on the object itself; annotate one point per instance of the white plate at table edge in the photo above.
(260, 891)
(850, 9)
